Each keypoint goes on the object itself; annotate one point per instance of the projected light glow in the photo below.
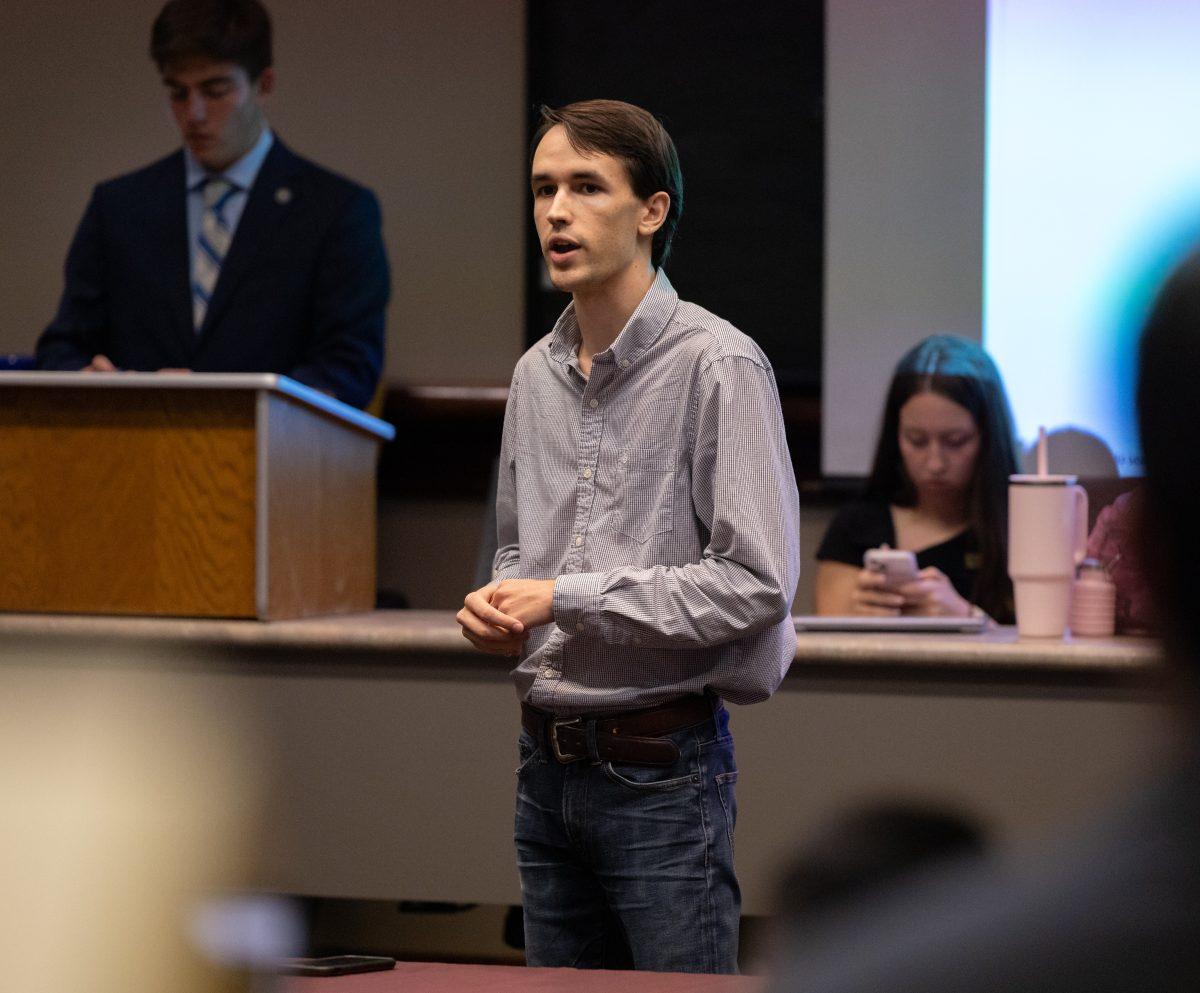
(1092, 195)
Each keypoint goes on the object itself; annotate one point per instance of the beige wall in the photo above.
(423, 100)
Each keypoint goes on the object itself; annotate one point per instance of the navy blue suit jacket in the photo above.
(302, 290)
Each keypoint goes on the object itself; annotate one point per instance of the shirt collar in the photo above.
(242, 173)
(644, 327)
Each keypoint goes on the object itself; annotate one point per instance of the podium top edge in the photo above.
(252, 381)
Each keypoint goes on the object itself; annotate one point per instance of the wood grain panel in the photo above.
(321, 513)
(127, 501)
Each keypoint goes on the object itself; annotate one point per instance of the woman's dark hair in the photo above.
(963, 372)
(237, 31)
(634, 136)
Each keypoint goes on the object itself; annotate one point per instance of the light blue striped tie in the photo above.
(211, 245)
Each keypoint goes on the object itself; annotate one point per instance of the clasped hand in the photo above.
(931, 594)
(497, 618)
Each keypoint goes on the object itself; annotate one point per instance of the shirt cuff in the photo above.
(577, 601)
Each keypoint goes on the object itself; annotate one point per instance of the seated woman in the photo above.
(938, 488)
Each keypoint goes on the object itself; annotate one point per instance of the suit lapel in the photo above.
(266, 205)
(167, 218)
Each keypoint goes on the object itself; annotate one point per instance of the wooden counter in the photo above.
(392, 742)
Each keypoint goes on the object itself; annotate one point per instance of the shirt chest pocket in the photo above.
(645, 492)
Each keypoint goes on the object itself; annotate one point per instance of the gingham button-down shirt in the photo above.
(660, 493)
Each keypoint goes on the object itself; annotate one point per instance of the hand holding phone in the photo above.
(897, 566)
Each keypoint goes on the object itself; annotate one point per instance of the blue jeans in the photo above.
(626, 866)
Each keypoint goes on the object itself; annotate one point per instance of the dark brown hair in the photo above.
(237, 31)
(963, 372)
(633, 135)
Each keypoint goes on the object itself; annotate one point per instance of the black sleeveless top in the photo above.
(862, 525)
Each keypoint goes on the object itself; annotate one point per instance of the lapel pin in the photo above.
(283, 195)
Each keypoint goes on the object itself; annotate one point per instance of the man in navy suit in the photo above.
(234, 254)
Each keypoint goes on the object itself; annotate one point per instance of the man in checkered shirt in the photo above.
(648, 535)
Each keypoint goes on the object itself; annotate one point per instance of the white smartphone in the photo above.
(897, 566)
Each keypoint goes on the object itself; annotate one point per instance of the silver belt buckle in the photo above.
(555, 724)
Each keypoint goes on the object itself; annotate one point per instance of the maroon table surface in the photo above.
(437, 977)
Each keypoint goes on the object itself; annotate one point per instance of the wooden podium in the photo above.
(201, 495)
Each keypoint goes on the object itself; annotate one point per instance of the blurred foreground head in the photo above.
(868, 850)
(1168, 400)
(127, 795)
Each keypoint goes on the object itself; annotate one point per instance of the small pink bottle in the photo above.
(1093, 602)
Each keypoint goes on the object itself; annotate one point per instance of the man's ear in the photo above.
(266, 82)
(654, 213)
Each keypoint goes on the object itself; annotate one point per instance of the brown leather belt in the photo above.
(634, 736)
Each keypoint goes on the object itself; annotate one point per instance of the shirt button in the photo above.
(551, 674)
(587, 473)
(579, 626)
(624, 363)
(578, 540)
(593, 403)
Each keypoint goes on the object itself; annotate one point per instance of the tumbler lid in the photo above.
(1033, 479)
(1092, 567)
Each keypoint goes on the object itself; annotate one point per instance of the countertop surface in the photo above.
(399, 635)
